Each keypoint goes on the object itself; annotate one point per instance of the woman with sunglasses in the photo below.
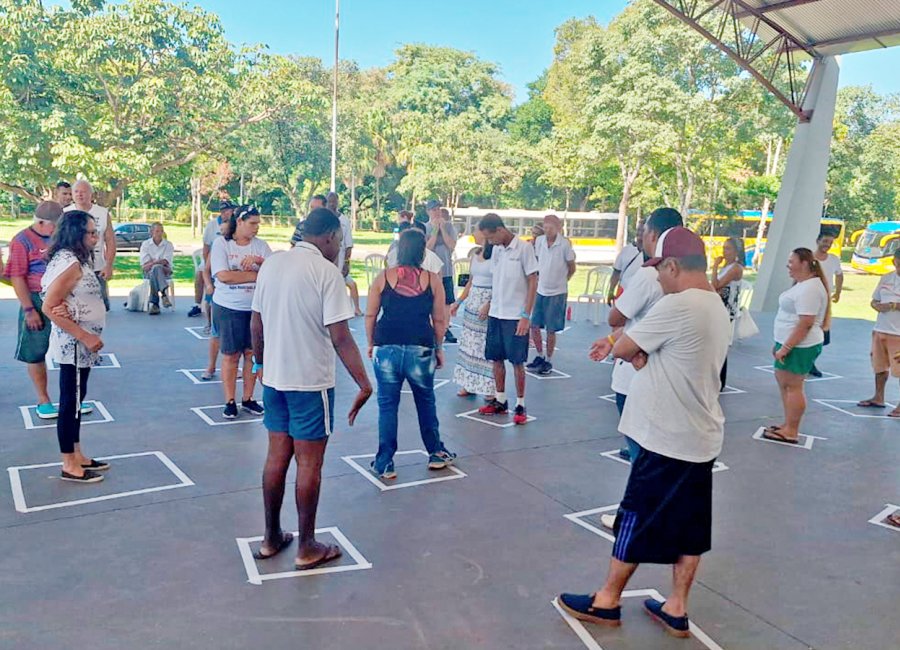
(234, 261)
(73, 301)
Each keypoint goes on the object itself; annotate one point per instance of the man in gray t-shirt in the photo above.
(440, 237)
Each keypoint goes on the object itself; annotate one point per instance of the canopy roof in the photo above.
(776, 40)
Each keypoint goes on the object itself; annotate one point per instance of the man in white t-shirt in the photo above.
(643, 292)
(673, 413)
(556, 266)
(301, 296)
(834, 276)
(343, 260)
(157, 257)
(626, 264)
(105, 250)
(885, 353)
(514, 269)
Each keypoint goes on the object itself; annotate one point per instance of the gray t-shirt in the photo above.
(444, 252)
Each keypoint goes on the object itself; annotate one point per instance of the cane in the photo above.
(77, 372)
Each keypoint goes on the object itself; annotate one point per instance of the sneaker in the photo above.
(675, 625)
(166, 302)
(87, 477)
(154, 310)
(195, 311)
(449, 338)
(545, 368)
(520, 416)
(815, 372)
(494, 408)
(441, 459)
(536, 363)
(207, 375)
(625, 454)
(608, 521)
(252, 406)
(86, 408)
(46, 411)
(230, 411)
(388, 474)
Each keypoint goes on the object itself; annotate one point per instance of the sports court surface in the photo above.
(159, 554)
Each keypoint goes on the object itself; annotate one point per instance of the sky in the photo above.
(518, 35)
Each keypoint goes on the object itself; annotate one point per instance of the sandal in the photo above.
(332, 552)
(893, 520)
(771, 433)
(894, 414)
(869, 404)
(286, 539)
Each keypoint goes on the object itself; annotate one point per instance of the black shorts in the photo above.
(666, 511)
(502, 343)
(449, 295)
(827, 337)
(233, 327)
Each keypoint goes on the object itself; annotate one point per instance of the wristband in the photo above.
(611, 339)
(256, 367)
(525, 314)
(28, 310)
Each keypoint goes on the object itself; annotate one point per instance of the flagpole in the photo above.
(334, 94)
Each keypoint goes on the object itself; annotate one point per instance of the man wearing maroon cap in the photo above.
(673, 414)
(27, 263)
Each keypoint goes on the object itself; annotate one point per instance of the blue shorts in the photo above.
(303, 415)
(549, 312)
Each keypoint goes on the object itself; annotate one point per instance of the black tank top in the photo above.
(405, 320)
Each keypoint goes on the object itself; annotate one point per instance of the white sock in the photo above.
(500, 397)
(520, 401)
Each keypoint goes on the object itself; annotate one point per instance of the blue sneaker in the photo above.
(441, 459)
(582, 608)
(388, 474)
(675, 625)
(46, 411)
(87, 408)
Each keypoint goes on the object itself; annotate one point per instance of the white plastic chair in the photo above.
(595, 290)
(374, 264)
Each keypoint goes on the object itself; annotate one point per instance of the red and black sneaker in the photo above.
(494, 408)
(520, 416)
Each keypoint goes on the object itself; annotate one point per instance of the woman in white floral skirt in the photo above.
(473, 373)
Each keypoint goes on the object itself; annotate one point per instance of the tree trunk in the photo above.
(629, 177)
(352, 199)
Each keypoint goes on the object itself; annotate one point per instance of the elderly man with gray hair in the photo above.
(105, 250)
(157, 257)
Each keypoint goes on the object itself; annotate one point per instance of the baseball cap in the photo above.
(432, 204)
(677, 242)
(48, 211)
(226, 205)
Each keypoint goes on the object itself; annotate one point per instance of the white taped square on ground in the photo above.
(212, 415)
(826, 376)
(881, 518)
(613, 454)
(128, 476)
(438, 383)
(197, 333)
(553, 374)
(849, 407)
(590, 641)
(499, 421)
(107, 360)
(804, 441)
(99, 415)
(414, 469)
(194, 375)
(283, 563)
(589, 520)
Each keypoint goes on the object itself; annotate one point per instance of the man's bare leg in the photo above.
(551, 343)
(38, 374)
(537, 340)
(310, 455)
(683, 573)
(229, 374)
(249, 376)
(519, 370)
(500, 376)
(278, 460)
(610, 596)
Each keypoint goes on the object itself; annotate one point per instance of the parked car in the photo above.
(130, 236)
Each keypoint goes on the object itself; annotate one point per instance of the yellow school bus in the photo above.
(875, 246)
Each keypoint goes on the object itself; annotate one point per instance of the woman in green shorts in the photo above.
(803, 314)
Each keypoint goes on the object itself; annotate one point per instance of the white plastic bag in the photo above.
(139, 297)
(744, 325)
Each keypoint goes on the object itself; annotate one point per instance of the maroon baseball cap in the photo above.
(677, 242)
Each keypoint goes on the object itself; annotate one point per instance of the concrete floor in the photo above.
(469, 562)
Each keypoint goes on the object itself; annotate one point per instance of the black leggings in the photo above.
(68, 424)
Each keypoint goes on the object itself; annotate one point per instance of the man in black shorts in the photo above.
(515, 270)
(673, 414)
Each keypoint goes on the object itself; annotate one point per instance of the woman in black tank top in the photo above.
(405, 323)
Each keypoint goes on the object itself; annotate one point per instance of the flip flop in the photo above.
(286, 539)
(770, 433)
(332, 552)
(894, 414)
(869, 404)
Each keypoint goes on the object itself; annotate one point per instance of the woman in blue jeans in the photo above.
(404, 344)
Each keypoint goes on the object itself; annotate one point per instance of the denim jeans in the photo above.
(415, 364)
(632, 446)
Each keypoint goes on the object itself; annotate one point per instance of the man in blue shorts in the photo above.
(300, 296)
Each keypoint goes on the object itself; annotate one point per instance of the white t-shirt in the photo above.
(101, 221)
(643, 292)
(888, 290)
(431, 263)
(511, 265)
(627, 263)
(553, 268)
(226, 255)
(807, 298)
(299, 294)
(346, 241)
(211, 231)
(673, 406)
(151, 252)
(831, 267)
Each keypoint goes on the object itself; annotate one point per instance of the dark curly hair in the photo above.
(69, 235)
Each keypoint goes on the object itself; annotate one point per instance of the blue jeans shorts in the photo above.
(303, 415)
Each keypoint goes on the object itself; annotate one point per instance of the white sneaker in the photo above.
(608, 521)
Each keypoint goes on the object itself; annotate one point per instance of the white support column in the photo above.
(798, 210)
